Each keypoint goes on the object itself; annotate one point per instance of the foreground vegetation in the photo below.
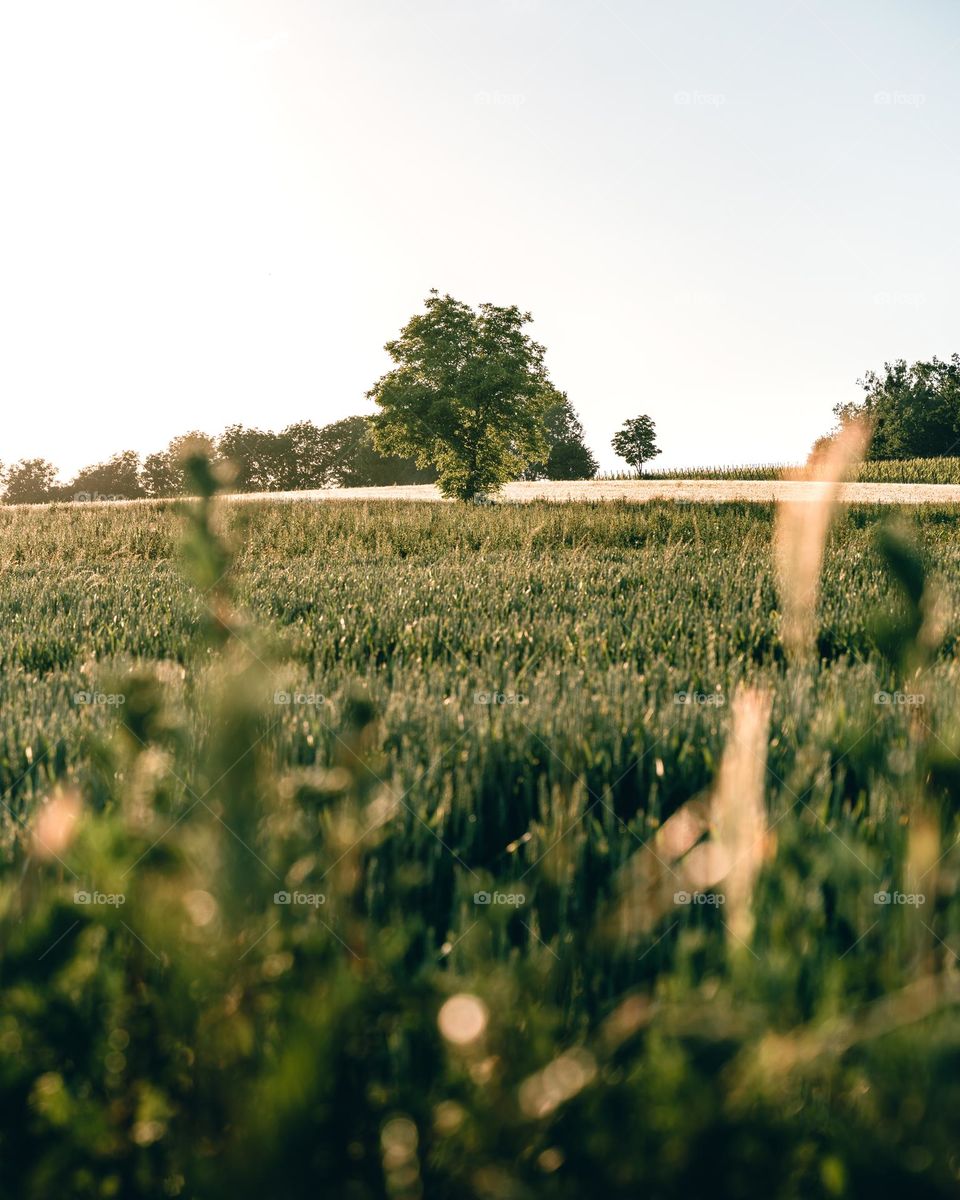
(387, 711)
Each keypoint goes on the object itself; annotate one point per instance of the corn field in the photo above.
(911, 470)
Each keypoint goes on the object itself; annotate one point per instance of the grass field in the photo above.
(389, 712)
(590, 491)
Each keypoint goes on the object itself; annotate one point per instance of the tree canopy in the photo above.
(29, 481)
(568, 454)
(163, 472)
(117, 478)
(636, 441)
(468, 395)
(914, 409)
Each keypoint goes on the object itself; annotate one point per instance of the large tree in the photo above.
(306, 463)
(118, 477)
(163, 473)
(260, 459)
(352, 459)
(31, 481)
(468, 395)
(914, 409)
(568, 455)
(636, 441)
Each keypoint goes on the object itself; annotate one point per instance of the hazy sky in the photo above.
(720, 214)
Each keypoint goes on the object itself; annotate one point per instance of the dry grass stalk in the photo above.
(801, 534)
(738, 814)
(772, 1065)
(681, 858)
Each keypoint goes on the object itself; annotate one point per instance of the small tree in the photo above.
(468, 395)
(636, 441)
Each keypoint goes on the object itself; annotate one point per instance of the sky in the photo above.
(722, 215)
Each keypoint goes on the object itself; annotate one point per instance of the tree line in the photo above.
(469, 405)
(301, 456)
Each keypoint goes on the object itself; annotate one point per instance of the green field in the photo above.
(395, 707)
(910, 470)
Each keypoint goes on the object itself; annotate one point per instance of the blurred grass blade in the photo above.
(801, 533)
(738, 812)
